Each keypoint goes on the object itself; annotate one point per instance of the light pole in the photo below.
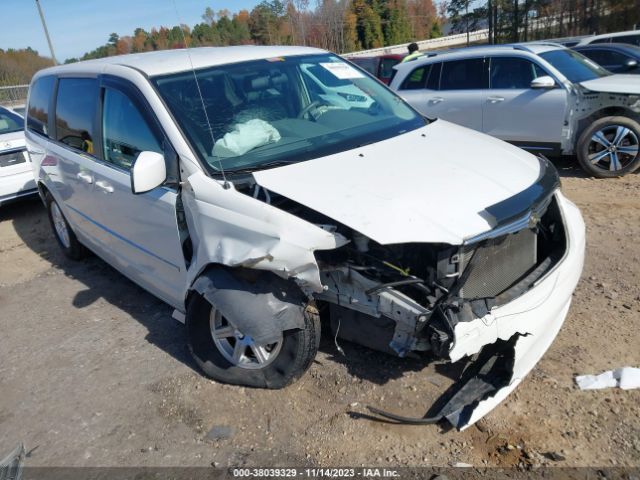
(46, 33)
(466, 15)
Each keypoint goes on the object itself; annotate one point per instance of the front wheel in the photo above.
(227, 355)
(609, 147)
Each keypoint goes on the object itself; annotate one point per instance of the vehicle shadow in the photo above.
(378, 367)
(101, 282)
(568, 167)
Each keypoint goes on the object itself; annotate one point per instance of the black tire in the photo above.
(586, 147)
(298, 350)
(74, 249)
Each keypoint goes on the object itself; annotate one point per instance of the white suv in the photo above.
(220, 181)
(631, 37)
(540, 96)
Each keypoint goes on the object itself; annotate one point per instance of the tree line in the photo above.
(17, 66)
(336, 25)
(526, 20)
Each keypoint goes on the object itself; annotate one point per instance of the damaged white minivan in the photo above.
(257, 202)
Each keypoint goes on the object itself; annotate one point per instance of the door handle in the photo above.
(435, 100)
(104, 186)
(85, 177)
(495, 99)
(35, 152)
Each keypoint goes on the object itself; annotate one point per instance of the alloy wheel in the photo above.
(613, 147)
(60, 225)
(238, 349)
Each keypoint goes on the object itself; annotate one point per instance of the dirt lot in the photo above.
(93, 371)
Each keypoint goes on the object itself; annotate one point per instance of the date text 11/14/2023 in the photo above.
(316, 472)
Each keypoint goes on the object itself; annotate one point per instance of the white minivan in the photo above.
(221, 181)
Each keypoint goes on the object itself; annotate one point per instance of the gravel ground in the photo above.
(94, 372)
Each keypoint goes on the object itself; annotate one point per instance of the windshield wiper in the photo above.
(262, 166)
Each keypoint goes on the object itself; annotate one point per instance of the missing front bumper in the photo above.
(511, 339)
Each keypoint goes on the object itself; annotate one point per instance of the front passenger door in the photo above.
(513, 111)
(143, 240)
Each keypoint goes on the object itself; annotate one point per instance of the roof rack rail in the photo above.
(538, 42)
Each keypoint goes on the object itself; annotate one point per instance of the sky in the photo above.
(78, 26)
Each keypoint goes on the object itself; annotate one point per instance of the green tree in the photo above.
(396, 25)
(368, 24)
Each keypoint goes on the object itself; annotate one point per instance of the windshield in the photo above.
(10, 122)
(574, 66)
(279, 110)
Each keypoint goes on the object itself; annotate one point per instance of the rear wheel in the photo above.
(227, 355)
(67, 240)
(609, 147)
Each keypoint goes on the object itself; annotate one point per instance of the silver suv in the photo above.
(540, 96)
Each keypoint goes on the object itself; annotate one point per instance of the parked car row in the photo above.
(252, 188)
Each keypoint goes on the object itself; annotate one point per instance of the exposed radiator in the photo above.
(497, 263)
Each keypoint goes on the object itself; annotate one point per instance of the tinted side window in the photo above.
(513, 72)
(416, 79)
(76, 112)
(463, 75)
(368, 64)
(602, 40)
(38, 109)
(606, 57)
(632, 39)
(125, 131)
(433, 82)
(386, 67)
(595, 55)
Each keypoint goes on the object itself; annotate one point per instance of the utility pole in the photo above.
(46, 33)
(466, 16)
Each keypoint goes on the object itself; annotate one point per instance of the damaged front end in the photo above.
(498, 297)
(421, 298)
(448, 300)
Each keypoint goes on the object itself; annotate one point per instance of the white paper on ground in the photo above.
(625, 378)
(245, 137)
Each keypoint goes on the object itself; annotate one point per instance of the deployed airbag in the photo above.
(245, 137)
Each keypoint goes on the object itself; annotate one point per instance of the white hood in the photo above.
(428, 185)
(629, 84)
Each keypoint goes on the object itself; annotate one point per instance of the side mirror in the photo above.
(543, 82)
(631, 64)
(148, 172)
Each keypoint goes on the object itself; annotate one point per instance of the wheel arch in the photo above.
(604, 112)
(42, 191)
(260, 303)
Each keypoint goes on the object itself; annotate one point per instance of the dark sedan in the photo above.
(615, 57)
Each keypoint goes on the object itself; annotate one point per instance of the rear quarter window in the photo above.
(38, 108)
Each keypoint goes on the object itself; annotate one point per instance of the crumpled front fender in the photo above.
(259, 304)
